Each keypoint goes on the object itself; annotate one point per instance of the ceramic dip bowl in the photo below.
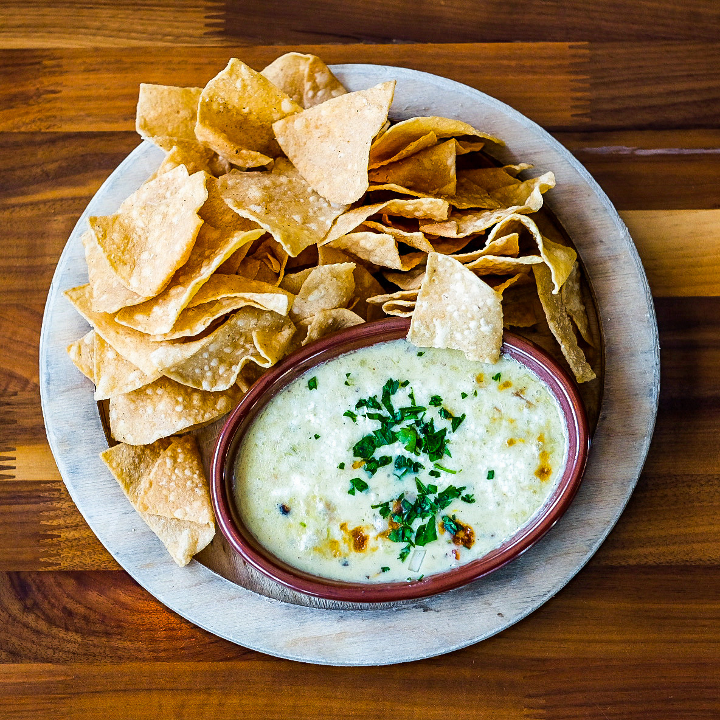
(397, 550)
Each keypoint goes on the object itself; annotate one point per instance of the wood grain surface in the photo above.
(633, 90)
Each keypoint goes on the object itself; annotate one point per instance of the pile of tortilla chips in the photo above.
(286, 209)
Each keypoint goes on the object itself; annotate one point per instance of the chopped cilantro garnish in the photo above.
(365, 447)
(434, 473)
(456, 422)
(373, 464)
(436, 401)
(382, 508)
(384, 568)
(468, 498)
(444, 469)
(371, 402)
(316, 436)
(426, 533)
(341, 466)
(474, 393)
(450, 524)
(351, 415)
(463, 395)
(491, 474)
(404, 553)
(445, 414)
(496, 377)
(357, 484)
(408, 437)
(420, 354)
(312, 383)
(449, 494)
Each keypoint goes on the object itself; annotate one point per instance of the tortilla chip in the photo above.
(399, 304)
(214, 362)
(176, 486)
(409, 131)
(507, 246)
(559, 258)
(294, 281)
(164, 408)
(283, 203)
(327, 322)
(430, 171)
(414, 239)
(114, 375)
(425, 208)
(329, 144)
(380, 249)
(194, 156)
(219, 214)
(495, 265)
(154, 230)
(223, 294)
(273, 258)
(211, 249)
(411, 280)
(559, 322)
(456, 309)
(304, 78)
(82, 353)
(167, 111)
(129, 464)
(572, 299)
(425, 141)
(131, 344)
(108, 292)
(326, 287)
(236, 112)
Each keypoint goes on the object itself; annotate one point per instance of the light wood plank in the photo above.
(680, 250)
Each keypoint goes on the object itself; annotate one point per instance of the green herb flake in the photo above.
(341, 466)
(316, 436)
(357, 484)
(444, 469)
(312, 383)
(468, 498)
(426, 533)
(450, 524)
(436, 401)
(404, 553)
(434, 473)
(384, 568)
(496, 377)
(474, 393)
(420, 354)
(456, 422)
(445, 414)
(491, 474)
(463, 395)
(351, 415)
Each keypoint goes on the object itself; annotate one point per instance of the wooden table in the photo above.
(633, 90)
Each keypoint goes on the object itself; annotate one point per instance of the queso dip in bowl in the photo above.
(366, 469)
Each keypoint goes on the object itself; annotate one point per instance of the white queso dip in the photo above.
(394, 462)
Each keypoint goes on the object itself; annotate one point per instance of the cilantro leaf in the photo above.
(357, 484)
(312, 383)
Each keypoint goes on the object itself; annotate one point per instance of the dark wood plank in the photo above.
(625, 642)
(469, 21)
(654, 85)
(652, 169)
(71, 90)
(201, 22)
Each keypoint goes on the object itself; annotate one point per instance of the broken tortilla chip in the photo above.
(214, 362)
(329, 144)
(166, 407)
(326, 287)
(429, 171)
(572, 299)
(82, 354)
(211, 249)
(327, 322)
(236, 112)
(114, 375)
(282, 203)
(109, 294)
(456, 309)
(154, 230)
(129, 465)
(167, 111)
(409, 131)
(304, 78)
(380, 249)
(176, 486)
(560, 325)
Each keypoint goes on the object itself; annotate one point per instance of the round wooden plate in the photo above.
(221, 595)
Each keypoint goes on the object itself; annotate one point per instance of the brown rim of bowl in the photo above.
(292, 367)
